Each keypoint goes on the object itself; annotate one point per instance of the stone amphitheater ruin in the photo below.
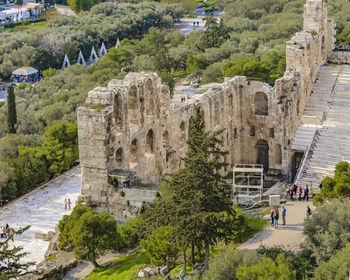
(132, 132)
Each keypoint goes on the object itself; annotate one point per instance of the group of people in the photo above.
(275, 216)
(297, 192)
(4, 231)
(67, 203)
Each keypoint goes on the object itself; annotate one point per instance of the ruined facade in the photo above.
(133, 124)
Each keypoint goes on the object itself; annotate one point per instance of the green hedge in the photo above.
(24, 22)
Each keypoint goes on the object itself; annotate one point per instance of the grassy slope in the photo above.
(37, 25)
(124, 268)
(127, 268)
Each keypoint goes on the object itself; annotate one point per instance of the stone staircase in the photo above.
(328, 119)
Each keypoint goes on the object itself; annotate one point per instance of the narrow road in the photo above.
(289, 236)
(42, 209)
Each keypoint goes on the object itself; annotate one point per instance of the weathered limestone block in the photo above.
(274, 199)
(340, 57)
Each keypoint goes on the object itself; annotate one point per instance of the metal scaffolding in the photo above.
(248, 183)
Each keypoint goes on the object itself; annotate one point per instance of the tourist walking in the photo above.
(306, 193)
(300, 191)
(284, 215)
(295, 190)
(291, 191)
(275, 218)
(69, 203)
(272, 214)
(65, 203)
(308, 211)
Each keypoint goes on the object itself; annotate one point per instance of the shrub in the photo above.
(327, 231)
(336, 268)
(224, 264)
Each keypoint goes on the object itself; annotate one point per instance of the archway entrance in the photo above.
(262, 154)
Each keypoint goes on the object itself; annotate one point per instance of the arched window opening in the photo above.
(252, 131)
(262, 153)
(133, 151)
(149, 98)
(278, 154)
(149, 142)
(260, 104)
(132, 106)
(119, 157)
(118, 111)
(142, 105)
(166, 138)
(217, 113)
(182, 131)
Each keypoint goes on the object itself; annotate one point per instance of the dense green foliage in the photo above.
(224, 264)
(105, 22)
(337, 268)
(28, 159)
(266, 268)
(87, 234)
(337, 187)
(11, 110)
(196, 201)
(327, 231)
(11, 256)
(160, 246)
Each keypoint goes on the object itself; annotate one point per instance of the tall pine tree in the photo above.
(196, 200)
(11, 264)
(11, 110)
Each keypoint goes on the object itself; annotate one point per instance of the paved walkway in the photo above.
(189, 24)
(289, 236)
(42, 209)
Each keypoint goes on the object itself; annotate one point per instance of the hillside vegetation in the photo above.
(250, 40)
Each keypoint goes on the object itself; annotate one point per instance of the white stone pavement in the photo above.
(42, 209)
(187, 23)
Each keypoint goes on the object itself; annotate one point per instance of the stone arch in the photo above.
(133, 151)
(262, 153)
(323, 46)
(149, 148)
(278, 154)
(150, 108)
(142, 104)
(132, 106)
(217, 113)
(119, 157)
(163, 102)
(230, 104)
(261, 104)
(166, 138)
(182, 131)
(118, 111)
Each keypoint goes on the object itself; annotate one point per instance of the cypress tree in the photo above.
(11, 110)
(196, 200)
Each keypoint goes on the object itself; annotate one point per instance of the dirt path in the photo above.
(290, 236)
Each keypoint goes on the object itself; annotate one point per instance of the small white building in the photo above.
(14, 14)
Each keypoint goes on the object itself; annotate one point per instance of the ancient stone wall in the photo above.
(133, 124)
(340, 57)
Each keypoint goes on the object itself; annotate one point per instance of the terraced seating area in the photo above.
(332, 141)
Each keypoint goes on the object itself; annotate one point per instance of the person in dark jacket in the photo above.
(272, 214)
(308, 211)
(306, 193)
(275, 218)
